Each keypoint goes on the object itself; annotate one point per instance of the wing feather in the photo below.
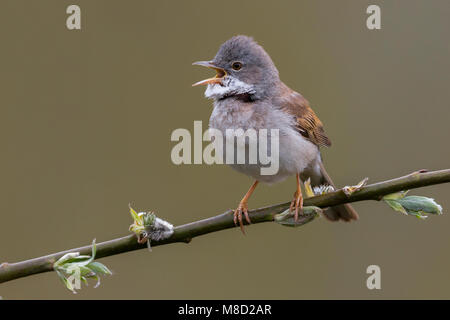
(307, 123)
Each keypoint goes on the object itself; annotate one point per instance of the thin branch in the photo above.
(186, 232)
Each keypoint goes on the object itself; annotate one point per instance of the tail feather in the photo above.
(344, 211)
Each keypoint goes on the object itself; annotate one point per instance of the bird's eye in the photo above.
(236, 65)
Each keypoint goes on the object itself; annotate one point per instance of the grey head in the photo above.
(244, 70)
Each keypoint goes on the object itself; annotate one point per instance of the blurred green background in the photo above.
(86, 118)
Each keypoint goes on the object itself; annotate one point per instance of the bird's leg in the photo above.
(297, 202)
(243, 208)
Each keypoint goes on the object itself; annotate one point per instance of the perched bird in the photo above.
(248, 94)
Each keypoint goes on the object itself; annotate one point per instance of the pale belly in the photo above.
(295, 153)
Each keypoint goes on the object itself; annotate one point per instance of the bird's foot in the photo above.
(297, 204)
(242, 208)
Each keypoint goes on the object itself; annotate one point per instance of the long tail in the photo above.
(343, 211)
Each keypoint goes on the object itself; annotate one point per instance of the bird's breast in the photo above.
(295, 152)
(233, 115)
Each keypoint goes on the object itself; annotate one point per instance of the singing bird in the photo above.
(248, 94)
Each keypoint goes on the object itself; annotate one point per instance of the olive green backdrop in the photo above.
(86, 118)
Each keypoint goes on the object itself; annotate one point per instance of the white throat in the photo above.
(229, 86)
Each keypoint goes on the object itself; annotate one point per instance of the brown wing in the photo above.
(308, 124)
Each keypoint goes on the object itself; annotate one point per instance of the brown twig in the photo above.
(184, 233)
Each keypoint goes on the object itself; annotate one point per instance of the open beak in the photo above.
(220, 73)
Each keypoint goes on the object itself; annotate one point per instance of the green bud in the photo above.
(149, 219)
(99, 268)
(82, 266)
(286, 218)
(349, 190)
(412, 205)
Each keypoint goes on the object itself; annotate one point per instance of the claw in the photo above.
(296, 205)
(297, 202)
(242, 208)
(247, 218)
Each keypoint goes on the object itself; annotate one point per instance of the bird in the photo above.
(247, 93)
